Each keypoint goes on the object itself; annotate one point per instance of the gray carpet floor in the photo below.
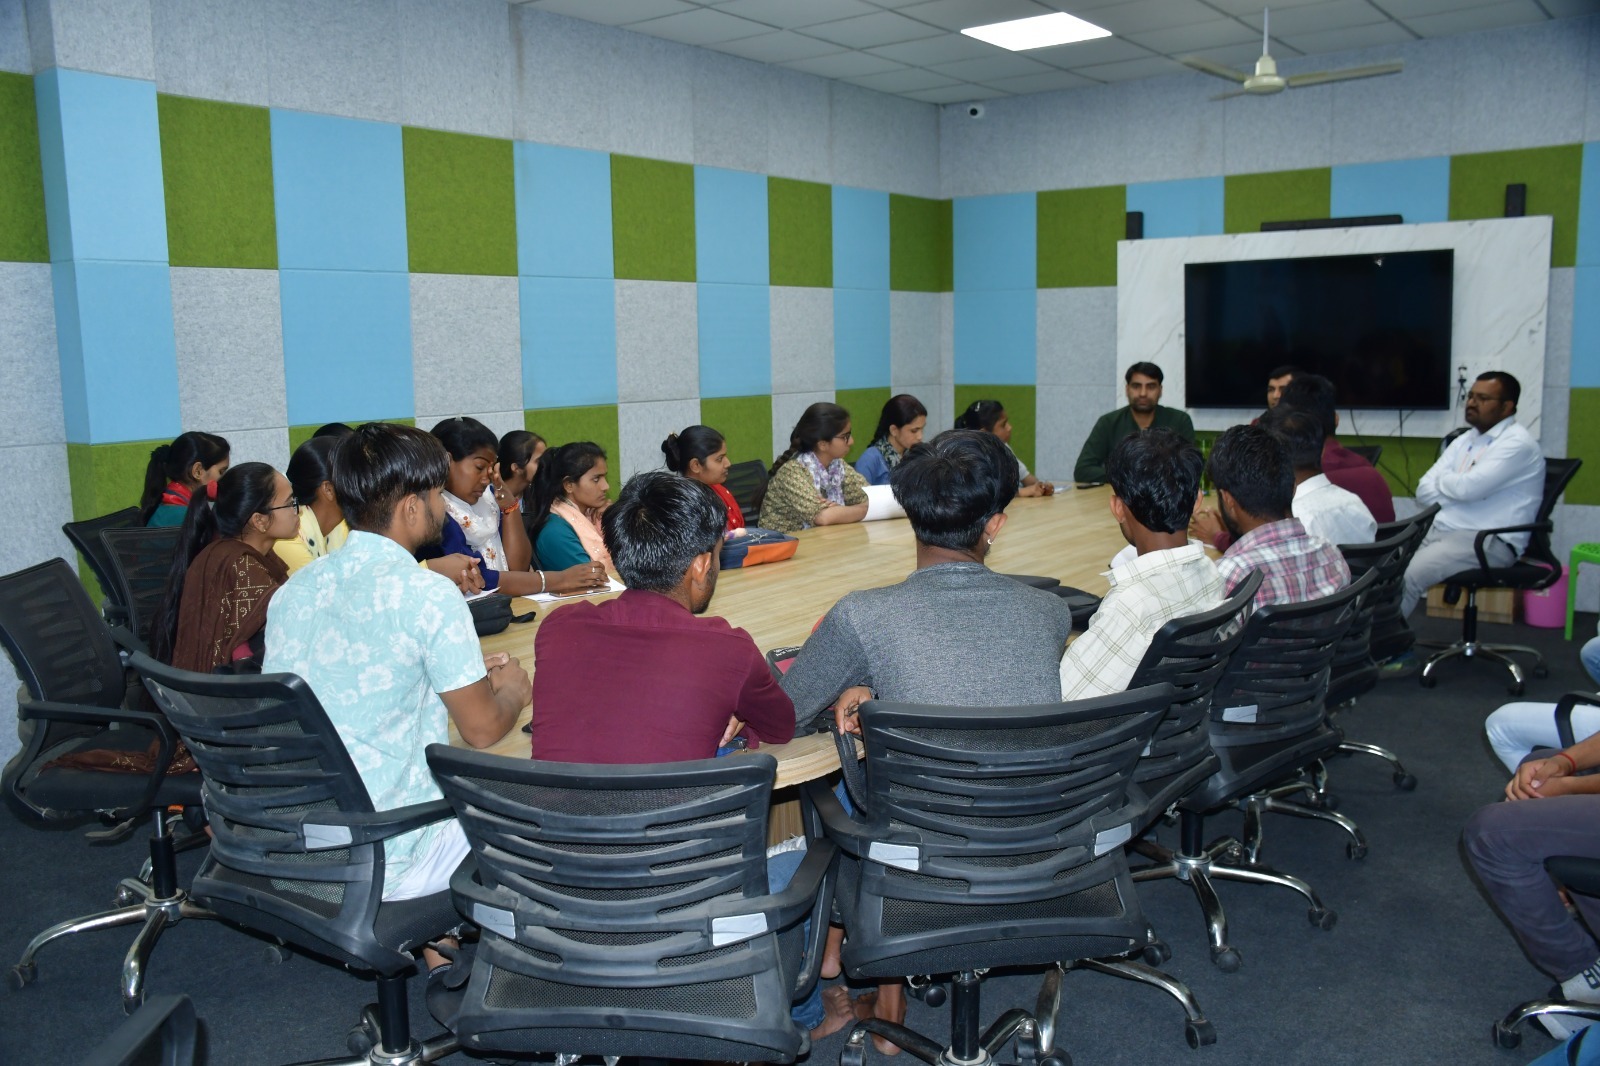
(1415, 971)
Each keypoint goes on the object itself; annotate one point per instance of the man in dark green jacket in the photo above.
(1143, 386)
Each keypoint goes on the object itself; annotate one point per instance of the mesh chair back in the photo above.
(613, 902)
(1189, 654)
(1558, 473)
(1379, 630)
(271, 763)
(1422, 520)
(141, 559)
(747, 481)
(85, 536)
(993, 836)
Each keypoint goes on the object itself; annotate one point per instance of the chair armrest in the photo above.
(166, 738)
(850, 835)
(127, 643)
(343, 829)
(779, 909)
(1564, 714)
(1484, 534)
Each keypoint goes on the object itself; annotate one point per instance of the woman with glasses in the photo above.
(811, 484)
(225, 570)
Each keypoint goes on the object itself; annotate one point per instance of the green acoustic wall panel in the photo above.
(22, 229)
(216, 166)
(1583, 441)
(563, 425)
(921, 248)
(1021, 404)
(652, 219)
(745, 422)
(800, 233)
(1404, 459)
(1478, 190)
(298, 435)
(1078, 234)
(864, 406)
(461, 215)
(107, 477)
(1251, 199)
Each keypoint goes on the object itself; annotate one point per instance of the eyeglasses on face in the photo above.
(282, 506)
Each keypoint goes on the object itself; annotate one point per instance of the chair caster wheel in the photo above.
(1354, 851)
(23, 975)
(1324, 918)
(1405, 782)
(1330, 802)
(854, 1052)
(1199, 1034)
(935, 996)
(363, 1036)
(1428, 682)
(1515, 690)
(276, 953)
(123, 897)
(1506, 1038)
(1228, 960)
(1056, 1058)
(1156, 953)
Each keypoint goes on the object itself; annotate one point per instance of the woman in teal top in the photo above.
(175, 471)
(569, 495)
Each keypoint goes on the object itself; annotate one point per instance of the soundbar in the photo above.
(1332, 223)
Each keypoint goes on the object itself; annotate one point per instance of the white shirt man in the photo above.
(1336, 515)
(1490, 477)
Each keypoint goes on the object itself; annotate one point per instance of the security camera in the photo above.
(975, 111)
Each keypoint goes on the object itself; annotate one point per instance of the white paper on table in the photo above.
(481, 595)
(882, 504)
(612, 585)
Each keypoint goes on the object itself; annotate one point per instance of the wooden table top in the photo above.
(1069, 536)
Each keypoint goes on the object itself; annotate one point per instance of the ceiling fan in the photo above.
(1266, 80)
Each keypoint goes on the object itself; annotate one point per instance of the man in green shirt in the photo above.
(1143, 386)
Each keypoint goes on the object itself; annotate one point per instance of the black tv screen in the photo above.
(1377, 326)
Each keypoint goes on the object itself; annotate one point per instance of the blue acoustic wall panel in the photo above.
(346, 345)
(569, 341)
(563, 211)
(861, 338)
(339, 192)
(1586, 327)
(119, 368)
(996, 242)
(996, 337)
(730, 230)
(860, 238)
(735, 337)
(1188, 208)
(1589, 207)
(1416, 189)
(100, 152)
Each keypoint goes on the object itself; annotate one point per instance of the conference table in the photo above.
(1069, 536)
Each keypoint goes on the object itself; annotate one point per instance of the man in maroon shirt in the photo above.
(1315, 395)
(644, 678)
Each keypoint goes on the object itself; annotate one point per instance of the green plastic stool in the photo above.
(1581, 553)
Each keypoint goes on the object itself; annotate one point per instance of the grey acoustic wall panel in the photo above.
(30, 401)
(212, 49)
(228, 326)
(466, 343)
(455, 62)
(336, 57)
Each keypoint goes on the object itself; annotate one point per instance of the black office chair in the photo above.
(297, 852)
(1537, 569)
(1266, 726)
(141, 559)
(1392, 634)
(988, 837)
(1448, 438)
(85, 536)
(747, 481)
(1370, 452)
(79, 700)
(160, 1033)
(1189, 654)
(625, 910)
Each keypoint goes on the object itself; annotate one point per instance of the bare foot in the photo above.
(831, 966)
(837, 1012)
(887, 1004)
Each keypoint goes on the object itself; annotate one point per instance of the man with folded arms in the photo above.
(1142, 384)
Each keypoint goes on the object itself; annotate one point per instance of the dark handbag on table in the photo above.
(492, 613)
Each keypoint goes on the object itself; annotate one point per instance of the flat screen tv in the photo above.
(1378, 326)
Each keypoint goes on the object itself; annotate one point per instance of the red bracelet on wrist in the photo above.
(1570, 761)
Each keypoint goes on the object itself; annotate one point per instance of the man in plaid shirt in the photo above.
(1255, 489)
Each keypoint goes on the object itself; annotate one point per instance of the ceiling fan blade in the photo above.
(1230, 96)
(1324, 76)
(1216, 70)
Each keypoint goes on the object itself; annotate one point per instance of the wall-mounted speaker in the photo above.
(1135, 226)
(1516, 200)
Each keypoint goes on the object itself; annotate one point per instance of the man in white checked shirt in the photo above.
(1490, 477)
(1155, 480)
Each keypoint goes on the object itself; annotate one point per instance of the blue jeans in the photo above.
(808, 1013)
(1591, 658)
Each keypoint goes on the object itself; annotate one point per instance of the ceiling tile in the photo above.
(1477, 18)
(1347, 40)
(1041, 83)
(1185, 39)
(1331, 15)
(845, 65)
(1250, 10)
(956, 94)
(1087, 53)
(867, 31)
(904, 81)
(890, 3)
(1406, 9)
(1137, 16)
(1129, 69)
(931, 50)
(612, 12)
(702, 26)
(778, 47)
(1078, 7)
(960, 14)
(992, 68)
(1244, 56)
(1571, 8)
(786, 14)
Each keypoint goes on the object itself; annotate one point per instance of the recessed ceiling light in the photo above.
(1041, 31)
